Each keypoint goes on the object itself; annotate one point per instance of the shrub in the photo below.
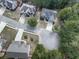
(41, 53)
(32, 22)
(65, 13)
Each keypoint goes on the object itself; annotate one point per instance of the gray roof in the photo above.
(18, 47)
(49, 14)
(28, 9)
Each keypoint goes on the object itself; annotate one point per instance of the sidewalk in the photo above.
(2, 10)
(2, 26)
(20, 31)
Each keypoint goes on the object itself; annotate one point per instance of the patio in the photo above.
(49, 39)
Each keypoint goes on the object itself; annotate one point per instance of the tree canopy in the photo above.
(52, 4)
(69, 36)
(32, 22)
(41, 53)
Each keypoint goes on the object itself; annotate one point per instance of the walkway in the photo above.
(2, 26)
(2, 10)
(19, 35)
(49, 27)
(20, 31)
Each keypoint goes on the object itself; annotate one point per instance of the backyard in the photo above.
(31, 39)
(15, 15)
(9, 35)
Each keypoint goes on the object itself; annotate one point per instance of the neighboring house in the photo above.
(28, 10)
(18, 50)
(48, 15)
(10, 4)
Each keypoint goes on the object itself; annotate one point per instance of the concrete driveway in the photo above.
(49, 39)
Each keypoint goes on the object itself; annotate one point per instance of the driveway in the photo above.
(49, 39)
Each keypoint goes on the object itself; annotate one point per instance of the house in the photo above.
(48, 15)
(10, 4)
(28, 10)
(18, 50)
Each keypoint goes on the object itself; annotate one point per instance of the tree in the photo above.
(41, 53)
(58, 4)
(68, 42)
(52, 4)
(69, 13)
(32, 22)
(65, 13)
(69, 34)
(76, 8)
(41, 3)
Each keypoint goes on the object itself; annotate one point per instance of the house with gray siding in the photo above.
(17, 50)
